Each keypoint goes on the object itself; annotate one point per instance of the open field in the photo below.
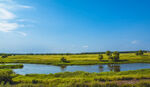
(77, 79)
(82, 59)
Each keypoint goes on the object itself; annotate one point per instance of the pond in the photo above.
(46, 69)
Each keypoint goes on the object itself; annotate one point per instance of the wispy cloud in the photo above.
(85, 46)
(7, 27)
(5, 14)
(24, 6)
(7, 10)
(22, 33)
(134, 42)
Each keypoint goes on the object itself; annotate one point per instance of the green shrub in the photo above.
(64, 60)
(6, 75)
(140, 52)
(100, 57)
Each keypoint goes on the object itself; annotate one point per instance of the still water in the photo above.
(46, 69)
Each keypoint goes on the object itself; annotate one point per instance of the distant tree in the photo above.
(116, 56)
(108, 53)
(101, 57)
(140, 52)
(4, 55)
(64, 60)
(116, 53)
(137, 53)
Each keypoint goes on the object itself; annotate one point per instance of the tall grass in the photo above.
(75, 79)
(6, 75)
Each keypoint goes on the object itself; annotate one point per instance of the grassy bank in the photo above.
(136, 78)
(11, 66)
(92, 84)
(82, 59)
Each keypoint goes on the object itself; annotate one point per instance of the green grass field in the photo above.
(84, 59)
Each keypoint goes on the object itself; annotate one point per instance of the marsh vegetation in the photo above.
(11, 66)
(79, 59)
(77, 79)
(134, 78)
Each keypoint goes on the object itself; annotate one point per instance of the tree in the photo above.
(108, 53)
(140, 52)
(116, 53)
(116, 56)
(101, 57)
(137, 53)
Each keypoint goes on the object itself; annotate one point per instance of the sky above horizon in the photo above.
(60, 26)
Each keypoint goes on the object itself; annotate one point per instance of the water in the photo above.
(46, 69)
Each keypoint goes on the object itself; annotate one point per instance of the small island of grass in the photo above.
(11, 66)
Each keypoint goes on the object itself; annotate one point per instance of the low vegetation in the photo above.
(140, 78)
(11, 66)
(6, 76)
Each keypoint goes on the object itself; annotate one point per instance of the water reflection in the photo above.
(63, 68)
(101, 68)
(114, 67)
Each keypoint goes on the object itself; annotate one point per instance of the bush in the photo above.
(140, 52)
(116, 56)
(101, 57)
(5, 76)
(64, 60)
(4, 56)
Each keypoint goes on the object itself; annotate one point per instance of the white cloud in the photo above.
(7, 8)
(7, 27)
(24, 6)
(85, 46)
(11, 4)
(134, 42)
(22, 33)
(5, 14)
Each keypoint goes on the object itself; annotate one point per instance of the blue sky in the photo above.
(55, 26)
